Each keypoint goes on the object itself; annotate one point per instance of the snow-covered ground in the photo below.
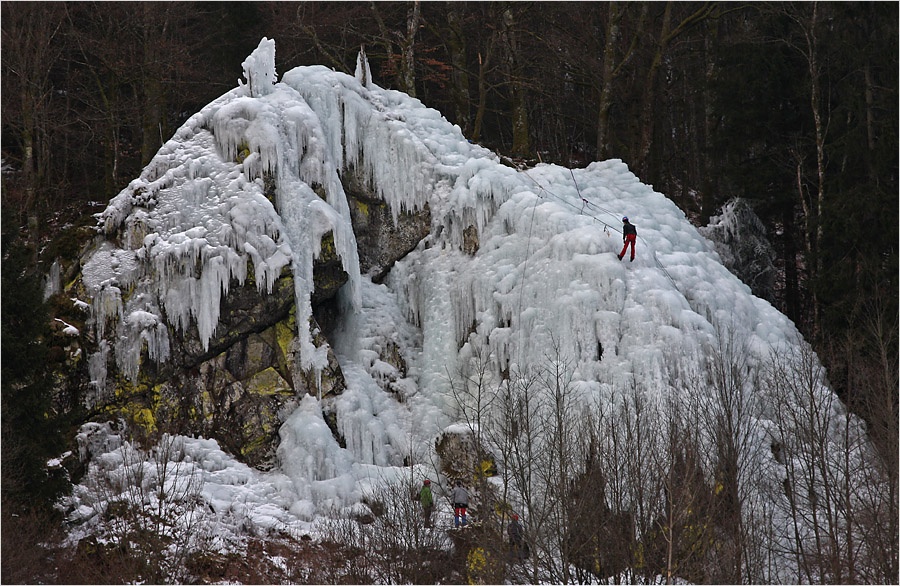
(544, 281)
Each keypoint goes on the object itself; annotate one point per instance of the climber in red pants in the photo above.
(629, 235)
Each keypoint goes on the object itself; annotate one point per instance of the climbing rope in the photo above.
(585, 204)
(589, 204)
(524, 272)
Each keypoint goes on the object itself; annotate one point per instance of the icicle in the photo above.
(97, 371)
(106, 307)
(52, 281)
(363, 73)
(141, 328)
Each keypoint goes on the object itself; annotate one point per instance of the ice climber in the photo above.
(460, 498)
(629, 235)
(426, 499)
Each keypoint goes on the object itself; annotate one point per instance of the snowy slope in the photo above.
(544, 282)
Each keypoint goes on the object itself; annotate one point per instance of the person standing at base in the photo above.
(516, 537)
(426, 499)
(460, 498)
(629, 235)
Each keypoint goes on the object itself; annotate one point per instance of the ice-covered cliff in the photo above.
(519, 270)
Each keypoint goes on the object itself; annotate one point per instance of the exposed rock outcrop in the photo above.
(380, 240)
(460, 457)
(238, 390)
(243, 383)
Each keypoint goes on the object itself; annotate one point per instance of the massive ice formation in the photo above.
(519, 269)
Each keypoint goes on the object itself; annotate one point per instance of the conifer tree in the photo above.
(30, 433)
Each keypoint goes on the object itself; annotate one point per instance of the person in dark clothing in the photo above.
(629, 235)
(516, 538)
(426, 499)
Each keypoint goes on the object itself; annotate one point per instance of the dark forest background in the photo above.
(792, 106)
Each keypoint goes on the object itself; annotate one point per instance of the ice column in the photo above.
(363, 73)
(259, 69)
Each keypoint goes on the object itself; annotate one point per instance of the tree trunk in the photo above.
(666, 35)
(791, 298)
(815, 98)
(708, 162)
(642, 153)
(521, 144)
(607, 73)
(459, 78)
(813, 203)
(408, 64)
(155, 25)
(28, 164)
(31, 48)
(483, 68)
(152, 120)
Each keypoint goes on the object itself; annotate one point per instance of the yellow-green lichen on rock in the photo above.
(483, 566)
(236, 389)
(257, 351)
(327, 250)
(267, 382)
(488, 468)
(143, 417)
(476, 561)
(257, 440)
(285, 334)
(138, 404)
(258, 428)
(139, 418)
(243, 151)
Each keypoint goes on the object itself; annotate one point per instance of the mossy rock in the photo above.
(267, 382)
(460, 458)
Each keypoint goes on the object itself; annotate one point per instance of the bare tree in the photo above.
(686, 522)
(485, 67)
(564, 462)
(408, 69)
(404, 549)
(401, 63)
(514, 431)
(32, 45)
(615, 535)
(806, 20)
(514, 67)
(667, 34)
(539, 427)
(724, 401)
(474, 391)
(457, 43)
(610, 70)
(870, 380)
(150, 507)
(826, 458)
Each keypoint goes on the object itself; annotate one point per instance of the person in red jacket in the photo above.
(629, 235)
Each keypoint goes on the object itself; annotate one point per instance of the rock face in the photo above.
(740, 239)
(241, 387)
(460, 458)
(240, 390)
(381, 242)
